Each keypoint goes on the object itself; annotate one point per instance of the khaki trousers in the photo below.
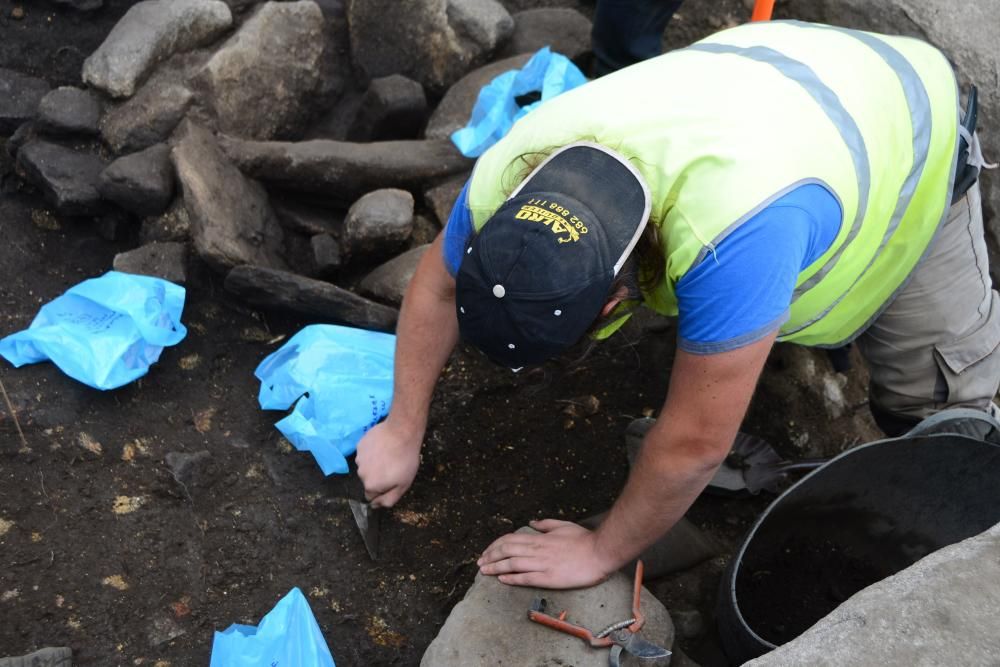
(938, 343)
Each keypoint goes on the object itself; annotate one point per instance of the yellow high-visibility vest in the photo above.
(721, 129)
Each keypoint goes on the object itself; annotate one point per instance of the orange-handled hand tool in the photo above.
(619, 637)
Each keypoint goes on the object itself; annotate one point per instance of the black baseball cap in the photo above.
(537, 274)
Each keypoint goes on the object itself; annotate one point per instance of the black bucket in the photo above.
(865, 515)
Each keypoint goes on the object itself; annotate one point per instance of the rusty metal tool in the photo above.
(620, 637)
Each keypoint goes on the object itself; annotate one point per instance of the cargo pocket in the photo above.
(971, 364)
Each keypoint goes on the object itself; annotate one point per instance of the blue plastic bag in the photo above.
(496, 109)
(288, 636)
(340, 381)
(104, 332)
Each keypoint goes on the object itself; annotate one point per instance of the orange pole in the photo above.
(762, 10)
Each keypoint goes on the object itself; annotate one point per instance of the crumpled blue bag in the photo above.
(340, 381)
(104, 332)
(496, 109)
(287, 636)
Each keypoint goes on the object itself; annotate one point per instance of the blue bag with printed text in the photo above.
(104, 332)
(547, 74)
(340, 381)
(287, 636)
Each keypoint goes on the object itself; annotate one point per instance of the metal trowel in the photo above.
(367, 518)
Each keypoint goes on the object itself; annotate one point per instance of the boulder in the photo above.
(141, 183)
(343, 171)
(173, 225)
(68, 178)
(268, 288)
(146, 119)
(161, 260)
(277, 50)
(379, 223)
(485, 23)
(441, 198)
(68, 110)
(231, 220)
(823, 412)
(19, 98)
(967, 37)
(22, 135)
(425, 230)
(393, 107)
(150, 32)
(455, 108)
(325, 254)
(388, 282)
(562, 29)
(434, 42)
(490, 625)
(941, 610)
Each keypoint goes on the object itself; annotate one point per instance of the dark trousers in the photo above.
(627, 31)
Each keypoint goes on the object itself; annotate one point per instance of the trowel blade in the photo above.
(368, 523)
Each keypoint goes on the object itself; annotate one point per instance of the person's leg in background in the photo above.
(628, 31)
(937, 346)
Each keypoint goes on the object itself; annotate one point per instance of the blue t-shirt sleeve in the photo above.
(742, 291)
(457, 232)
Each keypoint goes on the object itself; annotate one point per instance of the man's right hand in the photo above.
(388, 458)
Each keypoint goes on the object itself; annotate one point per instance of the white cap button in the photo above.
(461, 309)
(557, 312)
(510, 345)
(499, 291)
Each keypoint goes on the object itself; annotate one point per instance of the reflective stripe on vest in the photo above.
(725, 127)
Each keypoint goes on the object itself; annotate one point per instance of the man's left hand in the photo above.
(561, 555)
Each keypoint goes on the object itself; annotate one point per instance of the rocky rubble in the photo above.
(189, 126)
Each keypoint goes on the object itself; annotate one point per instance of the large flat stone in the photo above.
(942, 610)
(490, 626)
(343, 170)
(231, 220)
(150, 32)
(19, 98)
(278, 50)
(68, 178)
(268, 288)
